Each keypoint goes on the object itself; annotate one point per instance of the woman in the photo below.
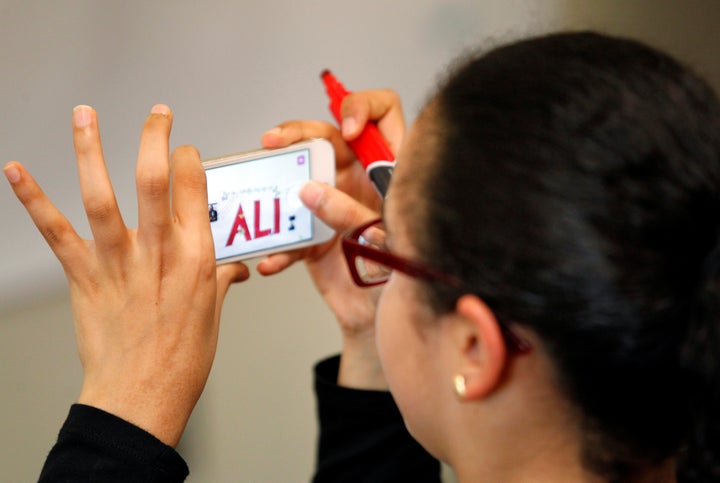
(549, 247)
(562, 195)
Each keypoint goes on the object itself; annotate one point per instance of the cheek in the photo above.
(389, 320)
(402, 348)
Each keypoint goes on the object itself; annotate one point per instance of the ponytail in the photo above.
(700, 458)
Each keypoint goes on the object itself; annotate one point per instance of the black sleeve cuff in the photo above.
(94, 445)
(339, 402)
(363, 436)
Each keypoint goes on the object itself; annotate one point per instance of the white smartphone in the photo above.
(254, 204)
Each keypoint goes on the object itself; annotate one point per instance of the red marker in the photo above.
(370, 146)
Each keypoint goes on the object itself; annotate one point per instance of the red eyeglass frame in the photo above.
(352, 249)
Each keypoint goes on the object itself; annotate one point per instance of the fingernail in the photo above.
(349, 126)
(273, 132)
(160, 109)
(311, 193)
(82, 116)
(12, 173)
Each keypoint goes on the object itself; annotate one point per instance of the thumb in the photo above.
(226, 276)
(336, 209)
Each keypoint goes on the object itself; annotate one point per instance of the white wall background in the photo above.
(230, 70)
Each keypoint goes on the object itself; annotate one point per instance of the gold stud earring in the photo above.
(459, 385)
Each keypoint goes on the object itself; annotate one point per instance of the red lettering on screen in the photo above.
(240, 223)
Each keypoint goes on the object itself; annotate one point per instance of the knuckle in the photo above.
(203, 263)
(152, 186)
(194, 183)
(355, 104)
(317, 129)
(350, 219)
(298, 130)
(290, 124)
(294, 130)
(340, 216)
(207, 271)
(392, 95)
(55, 234)
(99, 209)
(231, 273)
(188, 172)
(196, 186)
(353, 214)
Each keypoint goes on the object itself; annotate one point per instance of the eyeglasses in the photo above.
(371, 264)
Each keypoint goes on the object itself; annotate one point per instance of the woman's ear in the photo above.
(483, 354)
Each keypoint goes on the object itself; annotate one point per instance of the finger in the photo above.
(52, 224)
(226, 276)
(98, 197)
(189, 189)
(382, 106)
(231, 273)
(152, 175)
(291, 132)
(335, 208)
(278, 262)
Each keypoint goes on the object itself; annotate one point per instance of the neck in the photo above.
(528, 432)
(551, 473)
(546, 457)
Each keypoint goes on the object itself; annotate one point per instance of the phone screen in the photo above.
(255, 205)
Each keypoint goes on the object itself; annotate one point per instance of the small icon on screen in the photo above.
(301, 160)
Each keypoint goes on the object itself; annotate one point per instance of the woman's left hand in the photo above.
(146, 302)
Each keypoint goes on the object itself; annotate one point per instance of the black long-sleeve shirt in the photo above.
(95, 446)
(362, 439)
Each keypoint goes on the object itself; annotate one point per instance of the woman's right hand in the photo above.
(353, 201)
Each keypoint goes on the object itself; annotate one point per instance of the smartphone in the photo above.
(254, 204)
